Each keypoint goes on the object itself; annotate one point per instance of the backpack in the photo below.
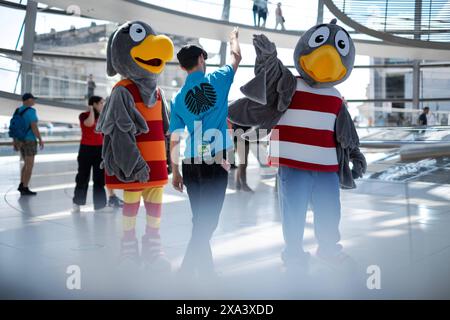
(17, 126)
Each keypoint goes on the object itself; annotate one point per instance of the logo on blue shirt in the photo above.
(200, 98)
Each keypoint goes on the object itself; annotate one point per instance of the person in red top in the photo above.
(90, 156)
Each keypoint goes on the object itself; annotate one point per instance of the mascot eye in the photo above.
(342, 43)
(319, 37)
(137, 32)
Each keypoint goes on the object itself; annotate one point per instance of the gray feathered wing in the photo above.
(120, 122)
(348, 150)
(268, 95)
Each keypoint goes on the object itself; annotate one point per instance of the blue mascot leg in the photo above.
(294, 191)
(327, 212)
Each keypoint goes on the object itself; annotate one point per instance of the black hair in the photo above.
(190, 63)
(94, 99)
(188, 56)
(426, 108)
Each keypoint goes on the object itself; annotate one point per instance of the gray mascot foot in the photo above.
(153, 257)
(129, 255)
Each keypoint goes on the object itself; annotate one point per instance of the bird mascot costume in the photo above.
(312, 137)
(134, 124)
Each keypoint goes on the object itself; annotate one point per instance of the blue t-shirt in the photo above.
(30, 116)
(201, 105)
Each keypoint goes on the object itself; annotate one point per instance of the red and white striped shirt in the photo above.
(304, 137)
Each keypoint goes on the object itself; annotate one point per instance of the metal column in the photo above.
(28, 45)
(223, 45)
(416, 85)
(416, 65)
(320, 12)
(417, 19)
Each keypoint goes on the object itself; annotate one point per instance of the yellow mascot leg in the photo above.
(152, 252)
(129, 245)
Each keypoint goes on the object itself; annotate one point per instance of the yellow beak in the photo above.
(324, 64)
(153, 53)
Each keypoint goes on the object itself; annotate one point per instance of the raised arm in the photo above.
(90, 120)
(235, 49)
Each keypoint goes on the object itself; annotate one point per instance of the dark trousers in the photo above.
(90, 157)
(206, 186)
(262, 14)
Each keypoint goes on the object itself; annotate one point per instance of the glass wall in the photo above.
(68, 50)
(11, 26)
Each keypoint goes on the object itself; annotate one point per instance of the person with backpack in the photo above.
(25, 132)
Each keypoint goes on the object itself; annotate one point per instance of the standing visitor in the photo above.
(423, 120)
(242, 149)
(24, 130)
(89, 158)
(255, 10)
(262, 13)
(279, 17)
(201, 105)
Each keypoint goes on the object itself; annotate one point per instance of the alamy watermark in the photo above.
(73, 281)
(374, 280)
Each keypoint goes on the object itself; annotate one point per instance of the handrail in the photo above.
(103, 59)
(80, 78)
(391, 144)
(10, 144)
(49, 102)
(410, 128)
(376, 144)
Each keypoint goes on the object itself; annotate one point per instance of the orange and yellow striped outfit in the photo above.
(153, 149)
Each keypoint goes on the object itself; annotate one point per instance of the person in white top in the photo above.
(279, 17)
(431, 119)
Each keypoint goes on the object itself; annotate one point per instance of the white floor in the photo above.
(401, 228)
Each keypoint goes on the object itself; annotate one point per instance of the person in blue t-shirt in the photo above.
(201, 107)
(28, 146)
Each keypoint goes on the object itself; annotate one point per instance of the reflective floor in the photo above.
(400, 227)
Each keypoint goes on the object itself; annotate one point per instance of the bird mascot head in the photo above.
(324, 55)
(135, 51)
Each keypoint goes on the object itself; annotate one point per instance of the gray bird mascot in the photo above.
(312, 136)
(134, 123)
